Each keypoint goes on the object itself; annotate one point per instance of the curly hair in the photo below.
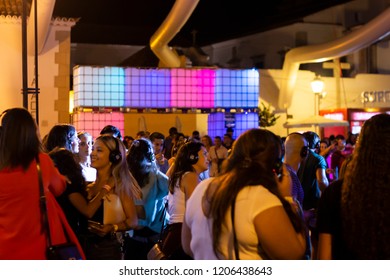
(251, 162)
(366, 192)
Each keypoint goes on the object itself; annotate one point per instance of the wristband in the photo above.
(115, 228)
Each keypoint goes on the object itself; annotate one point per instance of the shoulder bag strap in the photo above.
(42, 203)
(236, 251)
(164, 214)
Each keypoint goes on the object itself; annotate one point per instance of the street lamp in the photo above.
(317, 86)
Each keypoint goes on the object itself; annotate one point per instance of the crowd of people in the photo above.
(260, 196)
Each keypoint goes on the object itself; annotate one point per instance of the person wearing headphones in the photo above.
(117, 214)
(312, 175)
(296, 151)
(190, 162)
(247, 212)
(150, 208)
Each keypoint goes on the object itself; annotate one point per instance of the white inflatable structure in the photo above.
(355, 41)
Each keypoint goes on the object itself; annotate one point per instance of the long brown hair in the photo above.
(251, 162)
(183, 162)
(366, 192)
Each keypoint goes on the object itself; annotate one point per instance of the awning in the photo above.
(318, 121)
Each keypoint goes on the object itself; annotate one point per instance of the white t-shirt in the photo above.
(220, 153)
(250, 201)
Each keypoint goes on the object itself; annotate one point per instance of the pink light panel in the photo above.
(93, 122)
(192, 88)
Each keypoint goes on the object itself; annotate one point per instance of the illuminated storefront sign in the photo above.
(381, 96)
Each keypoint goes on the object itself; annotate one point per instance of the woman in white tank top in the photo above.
(190, 161)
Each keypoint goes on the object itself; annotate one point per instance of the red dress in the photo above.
(21, 232)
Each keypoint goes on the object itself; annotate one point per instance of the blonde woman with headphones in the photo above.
(117, 213)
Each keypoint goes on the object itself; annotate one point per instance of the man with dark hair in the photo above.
(338, 156)
(195, 137)
(112, 130)
(312, 173)
(227, 141)
(141, 134)
(168, 142)
(230, 131)
(157, 140)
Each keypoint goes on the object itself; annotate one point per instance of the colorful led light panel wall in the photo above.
(236, 88)
(93, 122)
(242, 122)
(216, 125)
(147, 88)
(192, 88)
(98, 86)
(165, 88)
(245, 121)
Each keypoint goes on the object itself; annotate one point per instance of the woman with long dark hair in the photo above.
(190, 162)
(255, 182)
(22, 233)
(150, 208)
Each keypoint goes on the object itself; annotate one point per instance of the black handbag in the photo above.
(65, 251)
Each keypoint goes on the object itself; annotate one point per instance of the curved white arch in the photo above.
(177, 17)
(359, 39)
(44, 14)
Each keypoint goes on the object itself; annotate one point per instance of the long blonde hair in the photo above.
(124, 181)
